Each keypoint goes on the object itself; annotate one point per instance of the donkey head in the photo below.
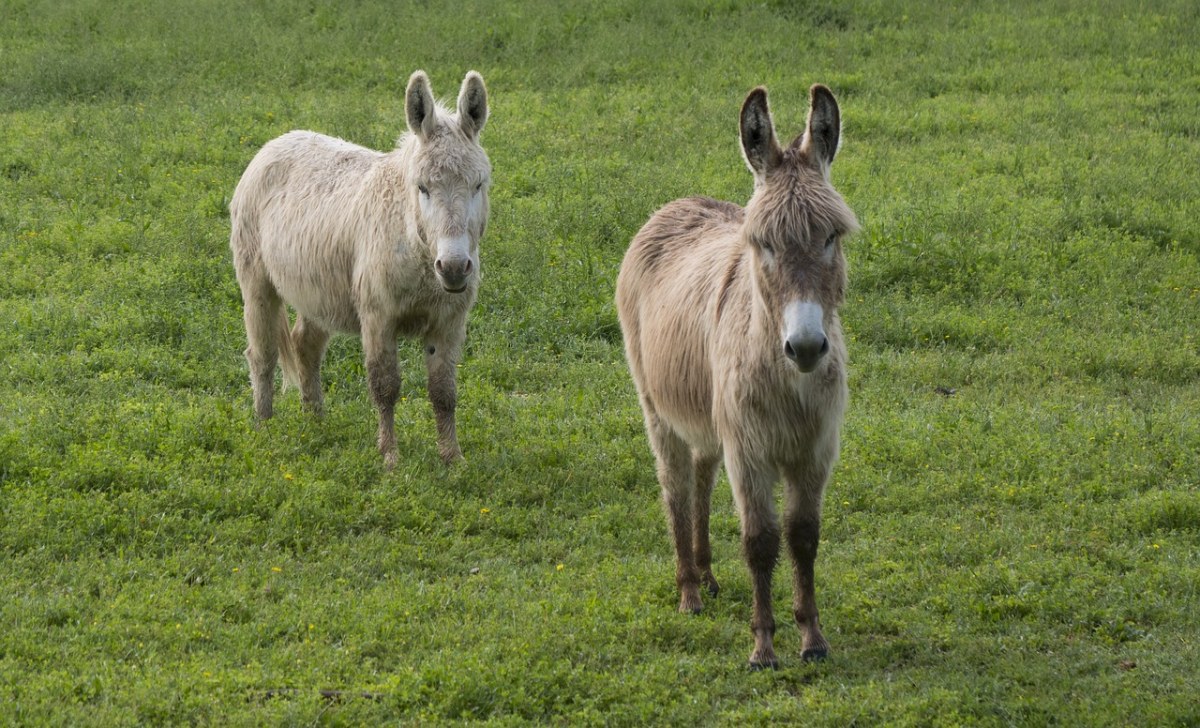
(449, 174)
(795, 222)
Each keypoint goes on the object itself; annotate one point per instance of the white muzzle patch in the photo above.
(454, 265)
(804, 340)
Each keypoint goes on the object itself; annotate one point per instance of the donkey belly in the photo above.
(312, 276)
(674, 375)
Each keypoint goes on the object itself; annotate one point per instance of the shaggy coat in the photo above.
(367, 243)
(733, 340)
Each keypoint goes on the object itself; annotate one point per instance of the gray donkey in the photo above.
(733, 339)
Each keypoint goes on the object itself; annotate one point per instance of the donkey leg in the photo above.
(752, 490)
(310, 341)
(261, 313)
(676, 478)
(705, 467)
(803, 528)
(383, 376)
(441, 360)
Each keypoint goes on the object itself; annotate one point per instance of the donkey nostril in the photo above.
(467, 268)
(437, 264)
(806, 353)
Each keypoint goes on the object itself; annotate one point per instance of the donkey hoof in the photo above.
(815, 654)
(763, 657)
(713, 587)
(691, 604)
(771, 663)
(450, 453)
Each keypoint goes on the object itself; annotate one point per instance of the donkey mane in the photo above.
(796, 205)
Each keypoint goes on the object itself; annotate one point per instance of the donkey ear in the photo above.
(824, 131)
(759, 146)
(472, 104)
(418, 105)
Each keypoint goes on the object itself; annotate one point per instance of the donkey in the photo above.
(368, 243)
(735, 347)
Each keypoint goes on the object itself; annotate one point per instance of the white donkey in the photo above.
(362, 242)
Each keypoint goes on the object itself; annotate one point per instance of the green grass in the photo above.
(1024, 551)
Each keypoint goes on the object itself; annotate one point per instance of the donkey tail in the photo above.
(288, 360)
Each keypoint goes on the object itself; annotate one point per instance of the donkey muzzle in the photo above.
(804, 340)
(454, 273)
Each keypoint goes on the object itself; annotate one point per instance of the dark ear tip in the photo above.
(757, 95)
(474, 78)
(755, 103)
(418, 78)
(475, 82)
(822, 92)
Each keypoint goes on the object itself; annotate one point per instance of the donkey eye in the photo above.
(767, 248)
(829, 243)
(424, 190)
(479, 187)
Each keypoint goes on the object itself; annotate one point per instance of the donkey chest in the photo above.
(399, 286)
(418, 312)
(777, 411)
(413, 323)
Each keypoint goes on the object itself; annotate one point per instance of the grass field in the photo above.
(1012, 536)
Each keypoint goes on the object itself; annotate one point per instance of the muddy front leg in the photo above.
(805, 490)
(441, 365)
(383, 376)
(752, 490)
